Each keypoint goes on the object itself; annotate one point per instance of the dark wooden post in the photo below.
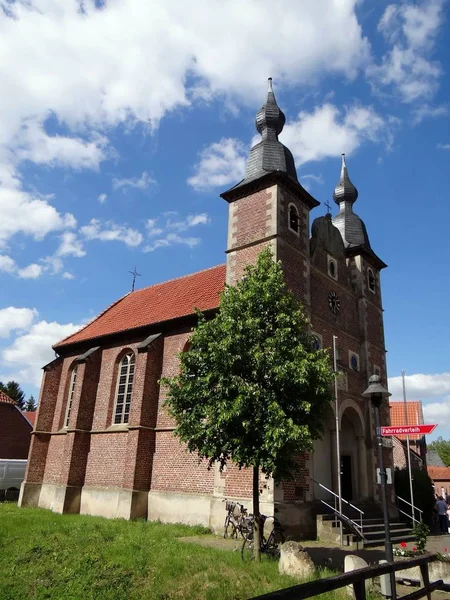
(425, 578)
(359, 588)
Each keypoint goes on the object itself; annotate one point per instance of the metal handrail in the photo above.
(361, 512)
(413, 509)
(346, 519)
(336, 496)
(412, 505)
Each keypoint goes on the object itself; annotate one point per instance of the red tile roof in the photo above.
(414, 413)
(30, 415)
(155, 304)
(439, 473)
(5, 399)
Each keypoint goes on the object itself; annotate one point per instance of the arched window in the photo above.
(124, 389)
(294, 221)
(371, 280)
(73, 379)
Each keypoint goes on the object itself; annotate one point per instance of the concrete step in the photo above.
(381, 541)
(379, 533)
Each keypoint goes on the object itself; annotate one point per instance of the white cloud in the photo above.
(328, 132)
(52, 264)
(15, 319)
(86, 74)
(33, 271)
(67, 275)
(110, 232)
(444, 146)
(152, 228)
(21, 212)
(411, 31)
(169, 230)
(420, 385)
(170, 239)
(220, 164)
(25, 357)
(70, 245)
(140, 183)
(34, 144)
(310, 176)
(437, 412)
(102, 198)
(7, 264)
(425, 111)
(188, 222)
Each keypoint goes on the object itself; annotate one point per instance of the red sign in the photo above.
(408, 430)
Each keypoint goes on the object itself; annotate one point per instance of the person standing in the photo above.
(441, 507)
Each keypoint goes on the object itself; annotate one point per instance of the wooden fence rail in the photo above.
(358, 579)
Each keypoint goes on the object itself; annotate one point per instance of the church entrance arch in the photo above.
(353, 452)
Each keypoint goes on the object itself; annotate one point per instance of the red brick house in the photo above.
(413, 416)
(441, 480)
(103, 443)
(15, 430)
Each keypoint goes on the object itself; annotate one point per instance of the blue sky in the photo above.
(122, 121)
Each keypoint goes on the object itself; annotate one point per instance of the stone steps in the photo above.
(373, 528)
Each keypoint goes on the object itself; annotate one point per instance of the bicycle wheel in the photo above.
(274, 543)
(247, 550)
(225, 526)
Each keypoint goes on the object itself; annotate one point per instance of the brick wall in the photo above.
(176, 470)
(14, 433)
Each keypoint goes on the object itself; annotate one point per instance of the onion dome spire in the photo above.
(270, 119)
(345, 191)
(269, 154)
(352, 228)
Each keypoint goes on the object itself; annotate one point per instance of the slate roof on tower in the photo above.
(155, 304)
(270, 157)
(352, 228)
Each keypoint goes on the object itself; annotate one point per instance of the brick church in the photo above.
(103, 443)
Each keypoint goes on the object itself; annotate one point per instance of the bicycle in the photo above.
(236, 513)
(270, 546)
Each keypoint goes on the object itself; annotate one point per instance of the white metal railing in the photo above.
(342, 516)
(414, 508)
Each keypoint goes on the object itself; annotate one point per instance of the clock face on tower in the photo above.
(334, 303)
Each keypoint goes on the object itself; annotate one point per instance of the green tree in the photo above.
(31, 405)
(14, 391)
(442, 447)
(252, 388)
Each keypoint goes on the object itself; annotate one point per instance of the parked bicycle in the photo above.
(270, 546)
(236, 514)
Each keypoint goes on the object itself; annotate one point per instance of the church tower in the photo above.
(269, 207)
(365, 267)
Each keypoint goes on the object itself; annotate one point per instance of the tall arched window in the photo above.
(294, 221)
(124, 389)
(73, 379)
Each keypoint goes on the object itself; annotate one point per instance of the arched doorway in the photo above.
(354, 481)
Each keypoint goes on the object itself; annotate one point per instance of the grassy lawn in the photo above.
(71, 557)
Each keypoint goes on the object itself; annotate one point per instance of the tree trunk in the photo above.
(257, 519)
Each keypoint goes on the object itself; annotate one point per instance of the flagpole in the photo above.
(408, 450)
(338, 440)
